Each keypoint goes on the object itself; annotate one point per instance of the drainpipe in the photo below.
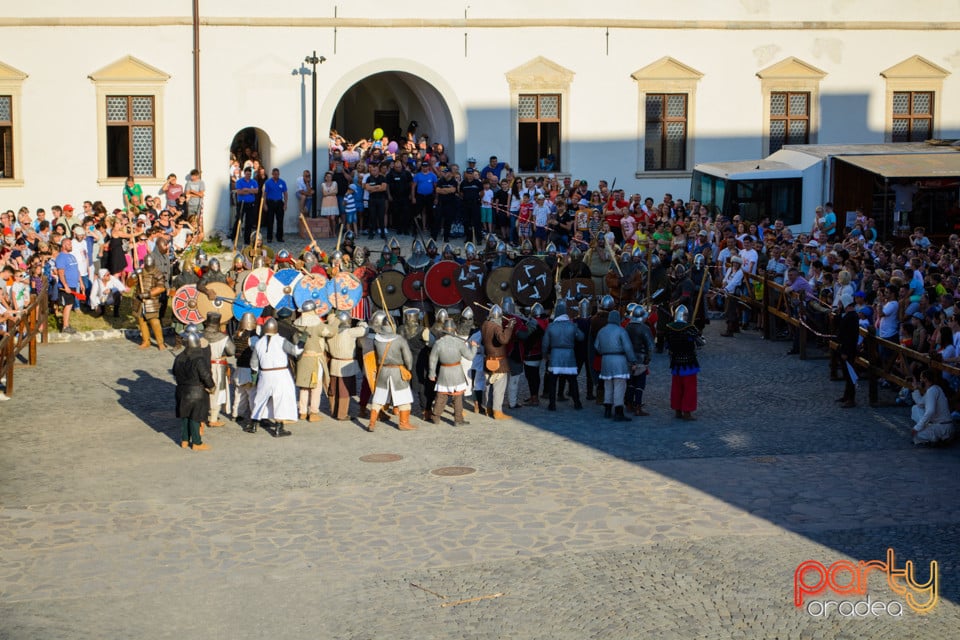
(196, 84)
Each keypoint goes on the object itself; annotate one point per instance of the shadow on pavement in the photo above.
(151, 399)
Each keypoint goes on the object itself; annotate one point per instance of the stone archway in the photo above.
(251, 140)
(397, 92)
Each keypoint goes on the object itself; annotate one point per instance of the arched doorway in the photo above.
(392, 100)
(250, 145)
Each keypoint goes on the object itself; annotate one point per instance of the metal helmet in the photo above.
(417, 247)
(214, 265)
(625, 256)
(680, 314)
(411, 317)
(309, 306)
(551, 248)
(607, 303)
(201, 258)
(191, 339)
(639, 314)
(467, 315)
(378, 321)
(343, 317)
(559, 309)
(637, 252)
(575, 253)
(349, 237)
(448, 251)
(283, 256)
(432, 247)
(630, 307)
(679, 272)
(385, 251)
(496, 313)
(359, 255)
(526, 246)
(192, 328)
(491, 241)
(654, 261)
(501, 247)
(259, 262)
(449, 325)
(248, 321)
(212, 323)
(309, 260)
(150, 261)
(336, 257)
(699, 260)
(270, 327)
(583, 308)
(442, 315)
(537, 310)
(394, 243)
(509, 306)
(470, 250)
(239, 262)
(284, 312)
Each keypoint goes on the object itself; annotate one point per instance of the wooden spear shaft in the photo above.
(703, 280)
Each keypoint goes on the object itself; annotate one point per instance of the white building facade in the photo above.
(617, 89)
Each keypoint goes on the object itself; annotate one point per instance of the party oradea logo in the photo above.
(813, 582)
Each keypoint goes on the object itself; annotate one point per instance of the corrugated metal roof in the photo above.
(927, 165)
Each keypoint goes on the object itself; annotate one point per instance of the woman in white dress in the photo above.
(328, 190)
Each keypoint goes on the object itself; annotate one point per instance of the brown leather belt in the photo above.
(452, 364)
(344, 359)
(391, 365)
(275, 369)
(221, 361)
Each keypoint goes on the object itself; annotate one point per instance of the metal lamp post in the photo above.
(314, 61)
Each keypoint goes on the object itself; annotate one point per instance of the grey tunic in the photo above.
(398, 353)
(447, 352)
(613, 344)
(558, 343)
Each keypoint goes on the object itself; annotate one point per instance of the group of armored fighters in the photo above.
(445, 330)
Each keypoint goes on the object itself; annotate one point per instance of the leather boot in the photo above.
(619, 416)
(427, 415)
(599, 391)
(678, 414)
(157, 333)
(607, 410)
(438, 406)
(250, 427)
(373, 421)
(144, 333)
(404, 424)
(458, 410)
(279, 430)
(687, 416)
(499, 415)
(638, 410)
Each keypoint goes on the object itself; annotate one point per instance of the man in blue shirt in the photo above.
(275, 191)
(246, 189)
(423, 194)
(68, 273)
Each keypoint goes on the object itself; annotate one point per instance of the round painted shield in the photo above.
(470, 282)
(222, 302)
(387, 289)
(241, 306)
(185, 305)
(413, 286)
(576, 288)
(280, 288)
(440, 284)
(346, 290)
(531, 281)
(255, 286)
(316, 287)
(498, 284)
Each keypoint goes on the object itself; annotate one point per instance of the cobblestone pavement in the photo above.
(589, 529)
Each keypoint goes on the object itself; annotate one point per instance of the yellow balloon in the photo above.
(377, 133)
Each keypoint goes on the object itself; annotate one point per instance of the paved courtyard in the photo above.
(587, 528)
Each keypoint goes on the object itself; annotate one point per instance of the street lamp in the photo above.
(314, 61)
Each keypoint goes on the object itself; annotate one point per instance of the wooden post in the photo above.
(44, 317)
(870, 344)
(9, 362)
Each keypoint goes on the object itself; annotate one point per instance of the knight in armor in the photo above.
(447, 370)
(161, 257)
(146, 304)
(191, 370)
(221, 348)
(243, 386)
(394, 364)
(641, 338)
(514, 355)
(597, 322)
(683, 340)
(598, 260)
(530, 342)
(412, 331)
(285, 326)
(366, 274)
(559, 343)
(500, 258)
(256, 249)
(389, 261)
(433, 251)
(311, 264)
(237, 273)
(552, 258)
(348, 247)
(313, 376)
(660, 296)
(497, 335)
(580, 316)
(418, 260)
(470, 252)
(490, 248)
(284, 260)
(617, 359)
(575, 268)
(343, 365)
(422, 363)
(448, 253)
(276, 396)
(526, 249)
(210, 275)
